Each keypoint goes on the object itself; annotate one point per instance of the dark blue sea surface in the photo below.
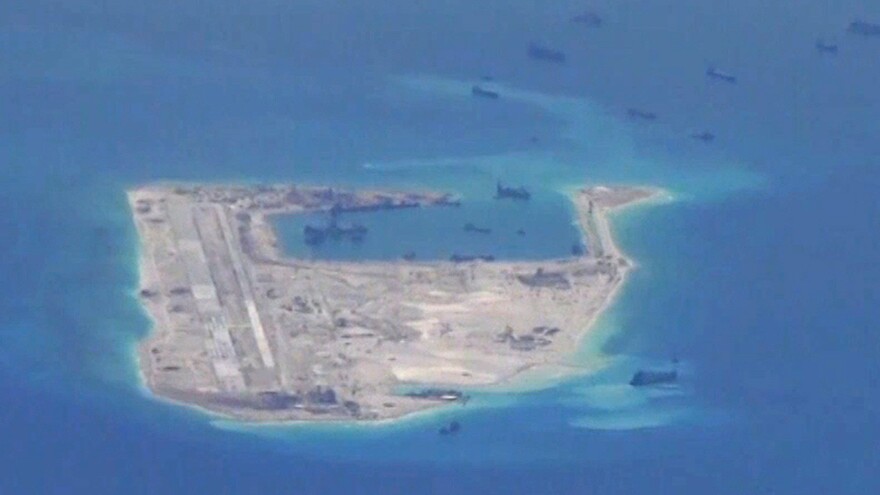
(761, 275)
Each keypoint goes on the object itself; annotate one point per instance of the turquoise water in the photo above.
(760, 275)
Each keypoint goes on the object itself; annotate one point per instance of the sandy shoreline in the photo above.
(448, 343)
(655, 196)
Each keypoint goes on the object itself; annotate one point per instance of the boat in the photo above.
(515, 193)
(719, 75)
(863, 28)
(469, 227)
(316, 235)
(539, 52)
(824, 47)
(705, 136)
(448, 395)
(451, 429)
(648, 377)
(588, 19)
(481, 92)
(644, 378)
(635, 113)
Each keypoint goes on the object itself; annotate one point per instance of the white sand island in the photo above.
(244, 331)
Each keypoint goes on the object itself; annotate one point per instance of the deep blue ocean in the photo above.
(761, 275)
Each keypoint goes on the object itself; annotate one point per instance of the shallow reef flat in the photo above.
(244, 331)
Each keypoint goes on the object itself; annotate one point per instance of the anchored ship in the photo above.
(644, 378)
(538, 52)
(719, 75)
(705, 136)
(648, 377)
(451, 429)
(823, 47)
(469, 227)
(481, 92)
(316, 235)
(864, 28)
(588, 19)
(635, 113)
(515, 193)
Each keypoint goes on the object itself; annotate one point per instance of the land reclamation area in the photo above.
(243, 330)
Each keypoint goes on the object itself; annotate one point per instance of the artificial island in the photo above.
(245, 331)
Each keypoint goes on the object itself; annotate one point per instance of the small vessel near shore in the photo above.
(316, 235)
(451, 429)
(442, 394)
(514, 193)
(649, 377)
(480, 92)
(643, 378)
(714, 73)
(539, 52)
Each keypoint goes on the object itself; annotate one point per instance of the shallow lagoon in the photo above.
(435, 233)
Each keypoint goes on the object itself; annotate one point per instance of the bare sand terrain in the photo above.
(244, 331)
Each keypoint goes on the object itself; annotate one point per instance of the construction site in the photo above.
(242, 330)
